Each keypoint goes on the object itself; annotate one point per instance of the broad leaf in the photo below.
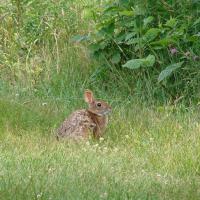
(163, 42)
(149, 61)
(108, 29)
(168, 71)
(97, 46)
(133, 64)
(151, 34)
(143, 62)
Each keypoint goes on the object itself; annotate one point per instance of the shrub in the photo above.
(158, 41)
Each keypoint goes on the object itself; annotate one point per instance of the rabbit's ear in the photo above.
(89, 98)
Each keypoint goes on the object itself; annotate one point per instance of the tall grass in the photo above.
(36, 49)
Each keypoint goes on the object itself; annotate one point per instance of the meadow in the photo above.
(151, 147)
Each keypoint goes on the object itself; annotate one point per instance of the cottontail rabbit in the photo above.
(83, 122)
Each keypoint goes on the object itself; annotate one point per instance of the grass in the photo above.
(147, 153)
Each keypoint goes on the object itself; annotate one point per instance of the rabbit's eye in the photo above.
(99, 104)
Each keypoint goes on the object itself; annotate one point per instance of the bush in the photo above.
(154, 45)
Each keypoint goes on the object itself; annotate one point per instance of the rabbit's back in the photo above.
(78, 124)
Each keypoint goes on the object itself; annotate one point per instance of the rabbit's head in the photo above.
(97, 107)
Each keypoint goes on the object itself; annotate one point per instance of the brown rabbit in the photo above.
(83, 122)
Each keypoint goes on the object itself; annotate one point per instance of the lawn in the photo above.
(147, 153)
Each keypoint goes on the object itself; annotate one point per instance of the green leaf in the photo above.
(151, 34)
(134, 41)
(97, 46)
(130, 35)
(94, 47)
(133, 64)
(116, 58)
(108, 29)
(149, 61)
(193, 38)
(111, 9)
(168, 71)
(127, 13)
(142, 62)
(196, 22)
(148, 20)
(120, 37)
(164, 42)
(171, 22)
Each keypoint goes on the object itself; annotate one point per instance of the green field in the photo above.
(147, 153)
(151, 147)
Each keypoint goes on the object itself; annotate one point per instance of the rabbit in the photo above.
(81, 123)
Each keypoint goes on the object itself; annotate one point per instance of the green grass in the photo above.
(147, 153)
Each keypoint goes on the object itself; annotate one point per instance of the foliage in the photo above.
(35, 41)
(129, 33)
(133, 41)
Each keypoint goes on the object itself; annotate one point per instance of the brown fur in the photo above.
(83, 122)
